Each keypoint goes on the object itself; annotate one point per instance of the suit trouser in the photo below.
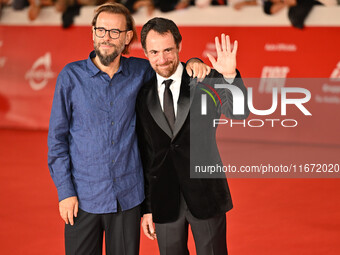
(122, 233)
(209, 234)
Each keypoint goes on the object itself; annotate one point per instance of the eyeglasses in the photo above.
(113, 33)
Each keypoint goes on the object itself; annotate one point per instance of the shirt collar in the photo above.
(176, 76)
(94, 70)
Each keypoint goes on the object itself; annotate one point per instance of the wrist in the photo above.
(229, 75)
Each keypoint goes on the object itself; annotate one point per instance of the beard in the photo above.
(170, 70)
(107, 59)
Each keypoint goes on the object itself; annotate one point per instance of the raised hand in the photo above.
(226, 58)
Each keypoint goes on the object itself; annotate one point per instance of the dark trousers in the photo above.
(122, 233)
(209, 234)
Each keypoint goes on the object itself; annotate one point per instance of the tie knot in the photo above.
(167, 83)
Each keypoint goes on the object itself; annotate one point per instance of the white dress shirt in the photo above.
(175, 86)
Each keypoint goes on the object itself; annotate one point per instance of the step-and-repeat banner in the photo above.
(269, 58)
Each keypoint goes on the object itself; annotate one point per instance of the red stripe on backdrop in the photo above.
(32, 57)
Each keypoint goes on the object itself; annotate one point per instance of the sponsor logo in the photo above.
(280, 47)
(40, 73)
(330, 91)
(273, 77)
(2, 62)
(211, 49)
(2, 59)
(333, 89)
(335, 76)
(327, 99)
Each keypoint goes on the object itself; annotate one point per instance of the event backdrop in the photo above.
(277, 56)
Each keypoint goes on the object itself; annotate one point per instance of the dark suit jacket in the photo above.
(168, 158)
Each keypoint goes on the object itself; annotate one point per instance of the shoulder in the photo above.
(147, 86)
(74, 67)
(138, 66)
(213, 77)
(141, 63)
(71, 72)
(145, 89)
(216, 75)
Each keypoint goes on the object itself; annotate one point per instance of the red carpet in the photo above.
(270, 216)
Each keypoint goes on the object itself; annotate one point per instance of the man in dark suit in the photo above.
(176, 135)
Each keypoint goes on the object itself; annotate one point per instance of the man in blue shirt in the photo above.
(93, 155)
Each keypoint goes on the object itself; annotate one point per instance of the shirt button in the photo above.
(112, 123)
(114, 179)
(112, 142)
(111, 103)
(113, 161)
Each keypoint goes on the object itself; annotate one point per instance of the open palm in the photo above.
(226, 58)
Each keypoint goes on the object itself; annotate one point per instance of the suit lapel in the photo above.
(155, 109)
(184, 102)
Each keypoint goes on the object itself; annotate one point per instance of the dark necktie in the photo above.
(168, 104)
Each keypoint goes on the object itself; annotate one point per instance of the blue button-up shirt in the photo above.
(93, 151)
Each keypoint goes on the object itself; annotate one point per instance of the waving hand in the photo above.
(226, 58)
